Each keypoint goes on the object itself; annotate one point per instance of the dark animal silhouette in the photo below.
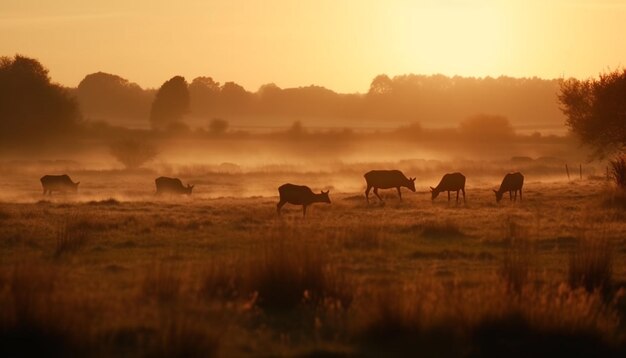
(299, 195)
(61, 183)
(512, 183)
(386, 179)
(450, 182)
(165, 185)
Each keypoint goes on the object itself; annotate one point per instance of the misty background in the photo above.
(425, 124)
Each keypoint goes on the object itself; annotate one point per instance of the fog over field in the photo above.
(441, 208)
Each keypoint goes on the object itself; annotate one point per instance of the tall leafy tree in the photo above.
(596, 111)
(33, 110)
(170, 104)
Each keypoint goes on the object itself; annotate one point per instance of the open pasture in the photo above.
(133, 274)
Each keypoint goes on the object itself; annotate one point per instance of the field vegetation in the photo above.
(124, 273)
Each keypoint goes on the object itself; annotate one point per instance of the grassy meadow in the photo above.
(123, 273)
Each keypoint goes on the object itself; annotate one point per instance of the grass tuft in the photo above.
(514, 270)
(162, 283)
(71, 235)
(618, 171)
(591, 265)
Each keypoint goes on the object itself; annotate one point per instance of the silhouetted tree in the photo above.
(218, 126)
(596, 111)
(132, 153)
(31, 107)
(204, 93)
(234, 99)
(380, 85)
(170, 104)
(106, 96)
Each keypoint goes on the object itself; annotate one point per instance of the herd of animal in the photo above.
(303, 195)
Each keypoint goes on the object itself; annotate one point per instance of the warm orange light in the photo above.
(338, 44)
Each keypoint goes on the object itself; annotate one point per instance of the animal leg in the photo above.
(376, 192)
(448, 196)
(303, 211)
(520, 195)
(457, 197)
(463, 189)
(515, 196)
(510, 195)
(399, 193)
(367, 193)
(279, 206)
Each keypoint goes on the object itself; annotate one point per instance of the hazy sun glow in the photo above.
(338, 44)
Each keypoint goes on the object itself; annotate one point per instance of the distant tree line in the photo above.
(429, 99)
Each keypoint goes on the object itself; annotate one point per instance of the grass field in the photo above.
(135, 275)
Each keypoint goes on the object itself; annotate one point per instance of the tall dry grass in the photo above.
(618, 171)
(515, 267)
(71, 234)
(437, 319)
(591, 265)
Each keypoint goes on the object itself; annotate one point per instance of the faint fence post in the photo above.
(580, 170)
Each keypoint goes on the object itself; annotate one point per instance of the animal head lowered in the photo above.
(324, 196)
(411, 184)
(189, 189)
(434, 193)
(498, 195)
(76, 187)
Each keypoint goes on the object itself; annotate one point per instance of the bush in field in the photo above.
(132, 153)
(618, 171)
(218, 126)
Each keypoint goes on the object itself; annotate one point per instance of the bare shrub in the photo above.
(591, 265)
(71, 235)
(618, 171)
(132, 153)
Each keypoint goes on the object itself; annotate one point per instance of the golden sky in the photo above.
(338, 44)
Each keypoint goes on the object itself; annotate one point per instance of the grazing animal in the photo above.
(300, 195)
(165, 185)
(512, 183)
(386, 179)
(61, 183)
(450, 182)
